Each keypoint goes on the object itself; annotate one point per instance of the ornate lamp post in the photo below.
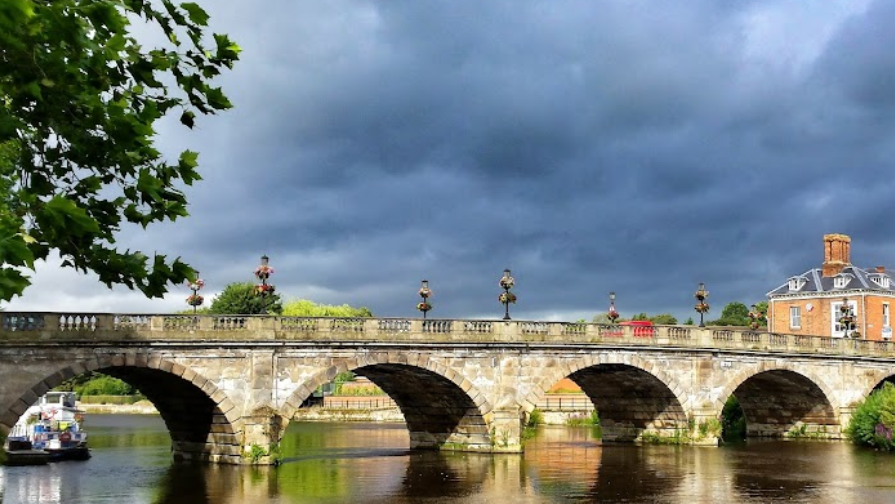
(194, 299)
(846, 317)
(425, 293)
(755, 317)
(506, 297)
(701, 306)
(263, 273)
(613, 314)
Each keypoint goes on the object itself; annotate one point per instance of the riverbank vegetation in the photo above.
(733, 421)
(873, 421)
(98, 384)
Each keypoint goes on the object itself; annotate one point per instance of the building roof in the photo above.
(813, 281)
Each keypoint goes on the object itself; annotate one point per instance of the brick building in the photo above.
(810, 303)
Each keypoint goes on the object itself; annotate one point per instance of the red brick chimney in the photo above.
(837, 253)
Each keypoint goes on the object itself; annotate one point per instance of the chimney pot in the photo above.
(837, 253)
(880, 269)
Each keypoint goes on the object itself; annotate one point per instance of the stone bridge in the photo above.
(227, 386)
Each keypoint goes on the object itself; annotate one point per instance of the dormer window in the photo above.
(881, 280)
(796, 283)
(842, 280)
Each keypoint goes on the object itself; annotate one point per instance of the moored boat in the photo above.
(52, 426)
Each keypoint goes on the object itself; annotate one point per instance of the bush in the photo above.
(874, 419)
(733, 422)
(242, 299)
(104, 385)
(112, 399)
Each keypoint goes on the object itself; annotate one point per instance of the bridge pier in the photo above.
(506, 430)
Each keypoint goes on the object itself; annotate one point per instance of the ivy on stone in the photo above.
(79, 98)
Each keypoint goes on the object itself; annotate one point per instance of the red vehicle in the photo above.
(642, 328)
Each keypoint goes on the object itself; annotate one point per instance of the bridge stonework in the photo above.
(227, 387)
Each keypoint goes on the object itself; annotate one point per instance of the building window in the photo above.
(841, 281)
(837, 330)
(885, 314)
(795, 317)
(796, 283)
(881, 280)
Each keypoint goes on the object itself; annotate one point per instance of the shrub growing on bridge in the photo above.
(873, 421)
(241, 299)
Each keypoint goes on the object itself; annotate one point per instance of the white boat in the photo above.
(54, 426)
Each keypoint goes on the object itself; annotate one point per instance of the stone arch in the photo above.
(200, 417)
(442, 409)
(877, 380)
(783, 400)
(631, 395)
(556, 373)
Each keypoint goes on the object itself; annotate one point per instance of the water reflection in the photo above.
(570, 464)
(371, 463)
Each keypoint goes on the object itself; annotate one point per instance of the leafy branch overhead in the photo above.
(79, 97)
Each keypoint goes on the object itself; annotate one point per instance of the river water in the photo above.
(370, 463)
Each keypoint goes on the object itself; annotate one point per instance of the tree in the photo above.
(664, 319)
(873, 421)
(689, 321)
(242, 298)
(734, 313)
(661, 319)
(603, 318)
(305, 308)
(79, 97)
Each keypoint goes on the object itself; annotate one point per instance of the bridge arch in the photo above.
(201, 419)
(631, 395)
(442, 409)
(783, 400)
(876, 381)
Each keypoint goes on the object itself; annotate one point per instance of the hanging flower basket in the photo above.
(425, 292)
(265, 289)
(424, 306)
(263, 272)
(702, 307)
(197, 285)
(507, 297)
(195, 300)
(507, 282)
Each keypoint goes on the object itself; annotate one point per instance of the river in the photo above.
(370, 463)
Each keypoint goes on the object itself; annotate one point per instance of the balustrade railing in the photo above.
(36, 326)
(534, 327)
(394, 325)
(437, 326)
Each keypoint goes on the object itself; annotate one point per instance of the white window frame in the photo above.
(795, 317)
(836, 329)
(796, 283)
(886, 318)
(840, 282)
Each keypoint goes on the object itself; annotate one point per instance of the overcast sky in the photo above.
(639, 147)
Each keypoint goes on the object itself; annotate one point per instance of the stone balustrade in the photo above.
(47, 328)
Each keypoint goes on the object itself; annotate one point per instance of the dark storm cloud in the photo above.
(589, 146)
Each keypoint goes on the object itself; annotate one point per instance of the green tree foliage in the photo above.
(661, 318)
(664, 319)
(305, 308)
(79, 98)
(733, 421)
(603, 318)
(241, 298)
(97, 384)
(689, 321)
(873, 421)
(733, 314)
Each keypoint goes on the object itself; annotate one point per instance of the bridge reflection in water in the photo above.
(372, 463)
(228, 386)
